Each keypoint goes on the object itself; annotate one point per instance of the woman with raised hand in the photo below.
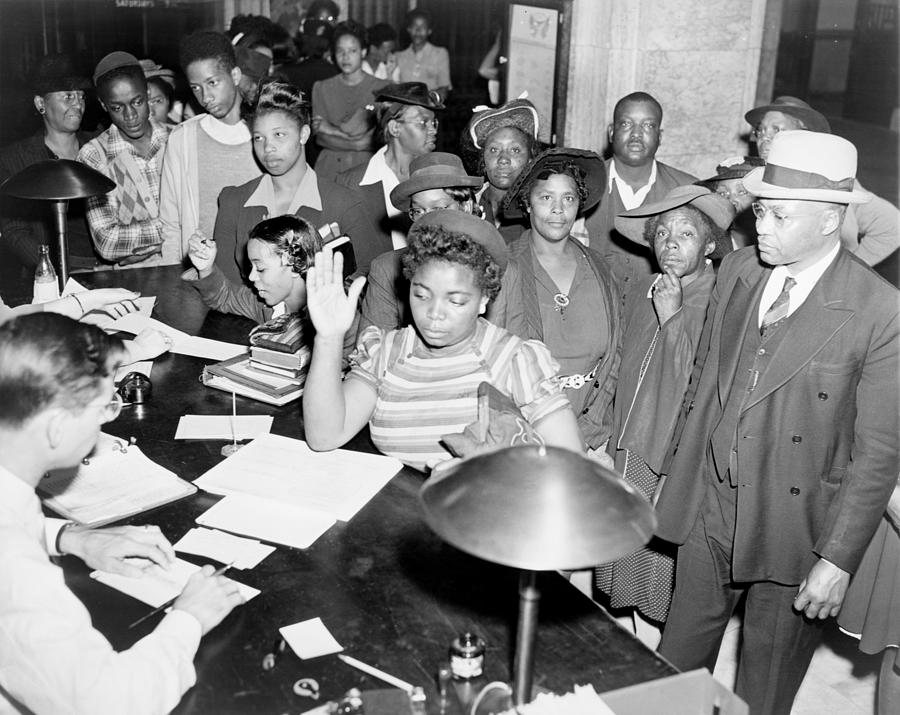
(417, 384)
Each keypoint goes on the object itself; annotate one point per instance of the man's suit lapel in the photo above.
(738, 313)
(823, 314)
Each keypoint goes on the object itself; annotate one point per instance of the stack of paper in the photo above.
(277, 489)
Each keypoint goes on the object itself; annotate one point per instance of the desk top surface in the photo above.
(391, 592)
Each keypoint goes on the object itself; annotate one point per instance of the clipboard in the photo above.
(116, 481)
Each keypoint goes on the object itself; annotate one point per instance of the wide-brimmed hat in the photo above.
(590, 163)
(813, 121)
(809, 166)
(734, 167)
(719, 209)
(482, 232)
(434, 170)
(415, 93)
(519, 114)
(57, 73)
(153, 69)
(113, 61)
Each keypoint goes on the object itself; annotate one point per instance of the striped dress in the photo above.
(425, 393)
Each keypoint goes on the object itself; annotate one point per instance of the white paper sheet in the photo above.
(267, 520)
(223, 426)
(287, 471)
(310, 639)
(157, 585)
(183, 343)
(226, 548)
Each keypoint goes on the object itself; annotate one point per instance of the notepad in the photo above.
(284, 470)
(183, 343)
(158, 585)
(118, 481)
(267, 520)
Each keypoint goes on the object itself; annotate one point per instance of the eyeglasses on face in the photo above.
(108, 410)
(779, 217)
(417, 211)
(423, 123)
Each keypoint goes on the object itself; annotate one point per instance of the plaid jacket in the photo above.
(128, 216)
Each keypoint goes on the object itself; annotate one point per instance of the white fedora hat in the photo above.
(809, 166)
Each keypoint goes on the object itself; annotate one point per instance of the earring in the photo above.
(41, 110)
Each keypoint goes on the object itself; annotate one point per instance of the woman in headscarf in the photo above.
(664, 317)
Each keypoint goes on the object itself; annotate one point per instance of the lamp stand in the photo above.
(59, 214)
(529, 597)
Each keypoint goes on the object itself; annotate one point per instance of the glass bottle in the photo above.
(46, 285)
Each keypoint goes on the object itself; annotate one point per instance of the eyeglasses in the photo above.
(424, 123)
(109, 410)
(780, 219)
(762, 132)
(417, 211)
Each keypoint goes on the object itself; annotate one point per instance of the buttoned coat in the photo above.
(816, 450)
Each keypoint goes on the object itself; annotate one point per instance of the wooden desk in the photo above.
(392, 593)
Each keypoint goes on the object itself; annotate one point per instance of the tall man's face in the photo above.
(795, 233)
(214, 87)
(635, 133)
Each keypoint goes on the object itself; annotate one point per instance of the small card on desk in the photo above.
(223, 426)
(310, 639)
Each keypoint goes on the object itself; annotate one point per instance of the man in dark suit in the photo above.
(635, 178)
(789, 451)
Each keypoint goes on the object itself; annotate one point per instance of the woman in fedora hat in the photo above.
(416, 384)
(58, 97)
(407, 126)
(564, 294)
(663, 319)
(498, 144)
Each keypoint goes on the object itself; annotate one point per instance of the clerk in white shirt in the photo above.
(56, 391)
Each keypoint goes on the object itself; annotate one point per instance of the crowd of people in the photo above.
(721, 343)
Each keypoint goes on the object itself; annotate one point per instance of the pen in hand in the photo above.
(171, 601)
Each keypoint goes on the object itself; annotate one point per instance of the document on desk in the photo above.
(266, 519)
(337, 483)
(158, 585)
(223, 426)
(103, 317)
(183, 343)
(226, 548)
(117, 480)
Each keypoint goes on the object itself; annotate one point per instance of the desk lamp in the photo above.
(58, 181)
(536, 509)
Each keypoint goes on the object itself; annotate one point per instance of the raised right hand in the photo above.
(202, 253)
(209, 598)
(331, 309)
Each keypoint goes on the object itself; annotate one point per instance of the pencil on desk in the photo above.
(374, 672)
(171, 601)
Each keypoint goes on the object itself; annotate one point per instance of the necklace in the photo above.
(562, 302)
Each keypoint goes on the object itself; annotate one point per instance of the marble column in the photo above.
(700, 59)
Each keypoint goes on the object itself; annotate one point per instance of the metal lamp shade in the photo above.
(537, 508)
(57, 180)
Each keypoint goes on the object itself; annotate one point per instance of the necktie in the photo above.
(778, 311)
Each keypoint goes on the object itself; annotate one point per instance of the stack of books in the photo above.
(274, 372)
